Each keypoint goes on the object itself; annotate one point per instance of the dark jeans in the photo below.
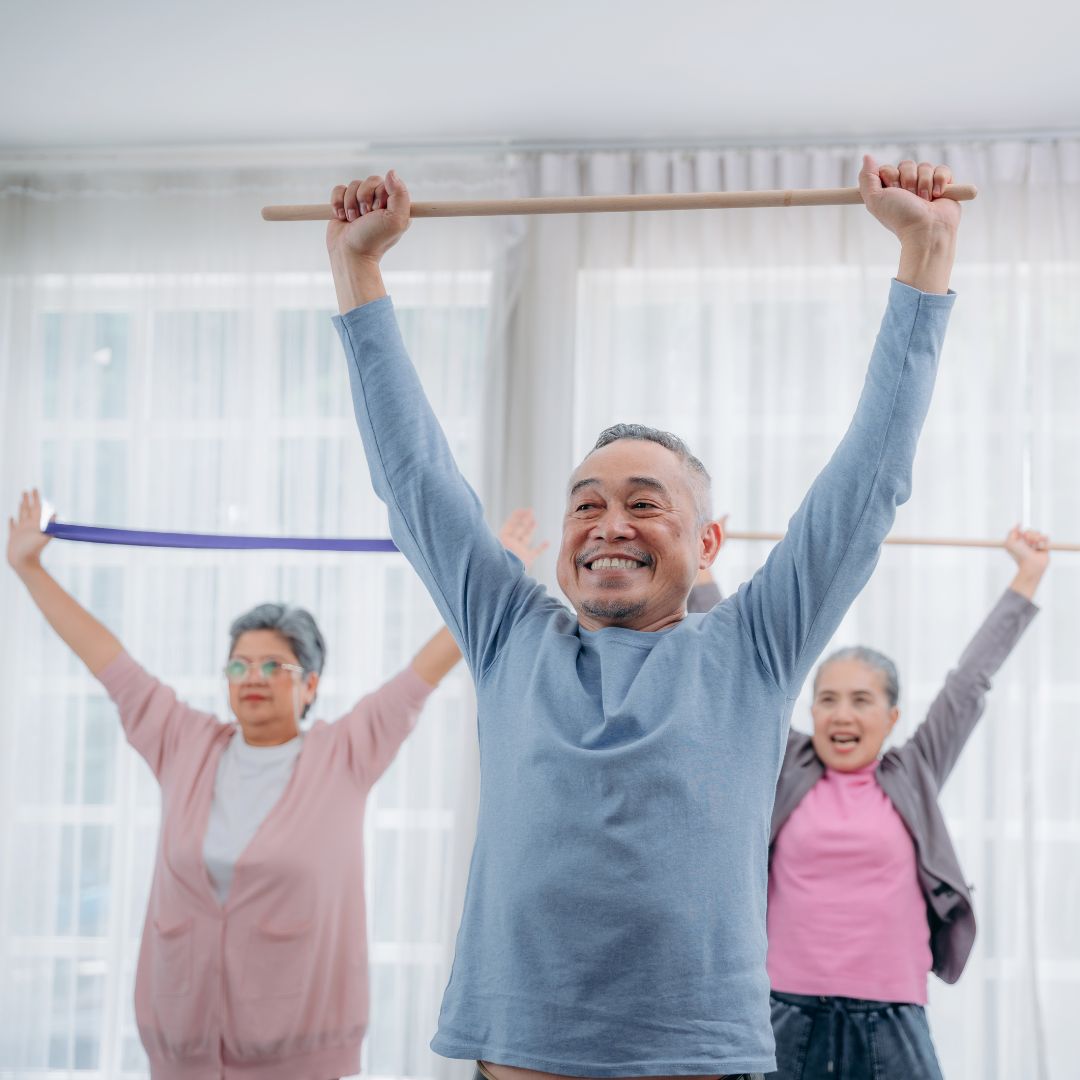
(836, 1038)
(478, 1075)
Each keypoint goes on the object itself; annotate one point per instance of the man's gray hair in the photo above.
(294, 624)
(700, 480)
(879, 662)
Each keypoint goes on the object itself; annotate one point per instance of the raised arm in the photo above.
(439, 655)
(153, 718)
(93, 643)
(435, 517)
(956, 710)
(794, 603)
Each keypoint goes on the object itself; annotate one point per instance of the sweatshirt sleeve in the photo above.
(153, 718)
(955, 711)
(376, 726)
(435, 517)
(794, 603)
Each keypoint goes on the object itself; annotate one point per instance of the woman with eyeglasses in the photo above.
(253, 959)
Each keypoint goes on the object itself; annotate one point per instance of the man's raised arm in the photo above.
(435, 517)
(794, 603)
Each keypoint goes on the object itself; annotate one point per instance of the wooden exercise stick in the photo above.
(908, 541)
(615, 204)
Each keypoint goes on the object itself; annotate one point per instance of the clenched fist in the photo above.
(371, 216)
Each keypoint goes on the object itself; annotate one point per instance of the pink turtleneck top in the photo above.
(846, 916)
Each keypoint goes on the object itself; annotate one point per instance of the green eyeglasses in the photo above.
(236, 670)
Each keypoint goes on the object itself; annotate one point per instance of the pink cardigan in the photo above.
(273, 984)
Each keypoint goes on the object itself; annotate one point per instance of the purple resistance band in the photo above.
(94, 534)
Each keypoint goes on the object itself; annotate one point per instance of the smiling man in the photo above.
(660, 495)
(614, 920)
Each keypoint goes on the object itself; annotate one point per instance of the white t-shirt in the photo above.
(249, 781)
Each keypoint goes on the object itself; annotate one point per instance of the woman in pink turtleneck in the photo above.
(865, 893)
(866, 896)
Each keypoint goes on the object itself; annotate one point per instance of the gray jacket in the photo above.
(913, 774)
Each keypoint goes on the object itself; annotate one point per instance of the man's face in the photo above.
(632, 543)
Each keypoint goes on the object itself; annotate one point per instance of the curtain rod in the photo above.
(740, 142)
(316, 154)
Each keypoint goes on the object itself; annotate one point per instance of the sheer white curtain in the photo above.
(748, 333)
(168, 362)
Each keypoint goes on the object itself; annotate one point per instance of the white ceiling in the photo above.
(120, 73)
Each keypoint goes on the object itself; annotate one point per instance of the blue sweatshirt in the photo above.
(614, 920)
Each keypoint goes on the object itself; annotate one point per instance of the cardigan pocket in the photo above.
(171, 958)
(277, 961)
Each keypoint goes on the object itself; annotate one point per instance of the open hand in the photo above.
(516, 536)
(26, 541)
(905, 198)
(372, 215)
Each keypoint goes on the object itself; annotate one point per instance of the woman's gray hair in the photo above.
(879, 662)
(294, 624)
(700, 480)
